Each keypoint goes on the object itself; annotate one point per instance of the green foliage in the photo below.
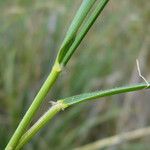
(64, 103)
(57, 68)
(74, 27)
(109, 49)
(74, 36)
(98, 94)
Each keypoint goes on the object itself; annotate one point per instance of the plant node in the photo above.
(60, 104)
(57, 67)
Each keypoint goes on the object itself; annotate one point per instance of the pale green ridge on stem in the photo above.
(87, 25)
(34, 107)
(64, 103)
(74, 27)
(57, 107)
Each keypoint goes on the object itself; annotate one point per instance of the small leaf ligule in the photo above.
(64, 49)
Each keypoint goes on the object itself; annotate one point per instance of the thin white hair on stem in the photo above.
(139, 71)
(52, 103)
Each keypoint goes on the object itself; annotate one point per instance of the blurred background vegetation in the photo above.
(30, 34)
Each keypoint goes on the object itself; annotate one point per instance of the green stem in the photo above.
(64, 103)
(40, 123)
(33, 108)
(68, 41)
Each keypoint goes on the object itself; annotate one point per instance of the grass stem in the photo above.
(33, 108)
(41, 123)
(64, 103)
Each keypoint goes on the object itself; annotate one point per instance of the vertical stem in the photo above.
(34, 107)
(41, 123)
(67, 102)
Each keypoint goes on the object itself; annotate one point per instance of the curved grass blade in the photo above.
(98, 94)
(64, 103)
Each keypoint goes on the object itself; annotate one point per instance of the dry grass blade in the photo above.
(117, 139)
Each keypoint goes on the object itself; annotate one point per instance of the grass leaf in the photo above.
(74, 27)
(98, 94)
(86, 27)
(64, 103)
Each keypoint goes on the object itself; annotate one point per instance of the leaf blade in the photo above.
(74, 27)
(98, 94)
(86, 27)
